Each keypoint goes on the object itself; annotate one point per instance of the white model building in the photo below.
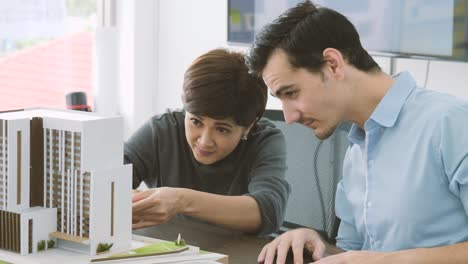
(62, 179)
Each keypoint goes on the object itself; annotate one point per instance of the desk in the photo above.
(241, 248)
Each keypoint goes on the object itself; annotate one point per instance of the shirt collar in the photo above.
(387, 111)
(356, 134)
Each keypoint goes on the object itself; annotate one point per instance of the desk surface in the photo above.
(241, 248)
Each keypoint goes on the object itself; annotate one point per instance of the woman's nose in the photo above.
(206, 138)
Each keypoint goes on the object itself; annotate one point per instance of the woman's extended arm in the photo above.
(158, 205)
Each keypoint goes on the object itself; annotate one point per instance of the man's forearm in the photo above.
(456, 253)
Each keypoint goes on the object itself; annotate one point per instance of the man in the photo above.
(404, 193)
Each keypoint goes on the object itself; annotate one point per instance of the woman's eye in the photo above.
(195, 122)
(223, 130)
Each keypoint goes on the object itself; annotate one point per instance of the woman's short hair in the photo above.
(218, 85)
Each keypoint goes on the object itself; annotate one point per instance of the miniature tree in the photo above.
(50, 243)
(102, 247)
(41, 245)
(179, 241)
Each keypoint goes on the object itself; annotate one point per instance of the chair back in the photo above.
(314, 170)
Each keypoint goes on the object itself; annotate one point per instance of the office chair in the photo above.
(314, 170)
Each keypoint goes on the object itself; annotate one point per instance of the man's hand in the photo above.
(298, 240)
(155, 206)
(359, 257)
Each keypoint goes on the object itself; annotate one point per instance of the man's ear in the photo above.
(335, 62)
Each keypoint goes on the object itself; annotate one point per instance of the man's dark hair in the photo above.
(304, 32)
(218, 85)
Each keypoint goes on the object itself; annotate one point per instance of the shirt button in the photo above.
(369, 204)
(371, 162)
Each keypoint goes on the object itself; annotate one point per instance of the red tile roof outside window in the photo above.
(40, 76)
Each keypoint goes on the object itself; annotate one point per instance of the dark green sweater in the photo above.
(161, 156)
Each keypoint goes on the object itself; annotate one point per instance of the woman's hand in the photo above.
(298, 240)
(155, 206)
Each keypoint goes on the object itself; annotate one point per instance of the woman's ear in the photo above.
(245, 134)
(335, 62)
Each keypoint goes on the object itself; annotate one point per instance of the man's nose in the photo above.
(290, 115)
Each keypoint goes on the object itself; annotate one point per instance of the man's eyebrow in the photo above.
(281, 90)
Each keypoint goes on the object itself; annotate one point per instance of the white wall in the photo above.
(137, 30)
(444, 76)
(185, 29)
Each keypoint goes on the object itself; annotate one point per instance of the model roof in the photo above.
(53, 113)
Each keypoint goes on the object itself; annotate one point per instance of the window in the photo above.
(45, 51)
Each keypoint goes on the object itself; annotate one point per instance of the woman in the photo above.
(217, 160)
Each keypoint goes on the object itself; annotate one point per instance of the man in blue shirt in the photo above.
(404, 193)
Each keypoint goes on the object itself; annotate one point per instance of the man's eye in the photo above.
(290, 94)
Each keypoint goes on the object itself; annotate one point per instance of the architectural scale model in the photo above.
(62, 182)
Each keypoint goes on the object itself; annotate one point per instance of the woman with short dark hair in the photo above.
(217, 160)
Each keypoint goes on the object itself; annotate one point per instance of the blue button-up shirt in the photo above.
(405, 176)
